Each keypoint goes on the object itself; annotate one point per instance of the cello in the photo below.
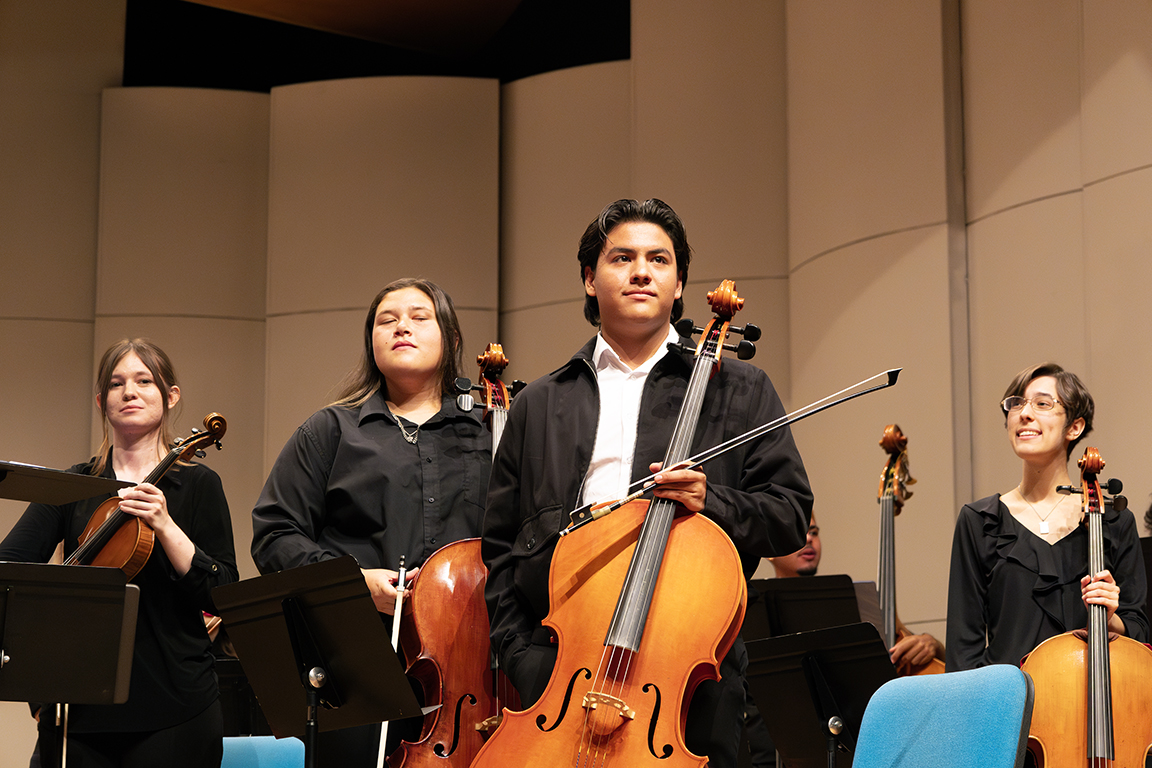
(455, 667)
(1093, 705)
(634, 639)
(894, 482)
(115, 539)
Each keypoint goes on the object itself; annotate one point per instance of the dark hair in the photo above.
(366, 379)
(158, 364)
(1073, 395)
(623, 211)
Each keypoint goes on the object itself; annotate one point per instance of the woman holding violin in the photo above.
(602, 420)
(1019, 571)
(392, 469)
(172, 716)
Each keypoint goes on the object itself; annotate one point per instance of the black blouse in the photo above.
(172, 666)
(1009, 590)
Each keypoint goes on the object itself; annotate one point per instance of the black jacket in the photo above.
(758, 493)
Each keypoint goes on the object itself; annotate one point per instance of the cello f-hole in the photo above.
(540, 720)
(666, 750)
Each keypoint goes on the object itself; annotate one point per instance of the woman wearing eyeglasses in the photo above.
(1019, 559)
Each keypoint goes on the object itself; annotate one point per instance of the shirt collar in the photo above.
(376, 407)
(604, 356)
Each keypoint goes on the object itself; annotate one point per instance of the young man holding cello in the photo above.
(603, 420)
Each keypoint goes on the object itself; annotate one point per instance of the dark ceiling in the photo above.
(185, 44)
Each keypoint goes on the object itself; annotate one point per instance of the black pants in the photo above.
(196, 743)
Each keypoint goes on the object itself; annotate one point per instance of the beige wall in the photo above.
(805, 143)
(55, 57)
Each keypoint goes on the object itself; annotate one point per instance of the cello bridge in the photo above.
(593, 700)
(488, 724)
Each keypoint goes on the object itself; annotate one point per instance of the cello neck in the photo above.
(1101, 746)
(635, 599)
(499, 418)
(886, 568)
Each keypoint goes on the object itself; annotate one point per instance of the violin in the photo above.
(445, 635)
(636, 633)
(113, 538)
(894, 482)
(1093, 706)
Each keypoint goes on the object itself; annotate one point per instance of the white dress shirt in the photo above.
(621, 387)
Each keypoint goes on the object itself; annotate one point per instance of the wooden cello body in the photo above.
(606, 705)
(1093, 699)
(445, 639)
(445, 633)
(643, 605)
(1059, 668)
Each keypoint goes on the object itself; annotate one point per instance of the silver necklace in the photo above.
(1043, 520)
(411, 436)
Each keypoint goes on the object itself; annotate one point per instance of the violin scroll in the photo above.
(215, 426)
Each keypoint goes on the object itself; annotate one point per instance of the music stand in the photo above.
(316, 623)
(28, 482)
(41, 660)
(811, 602)
(825, 673)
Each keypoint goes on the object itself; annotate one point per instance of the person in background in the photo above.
(1020, 559)
(172, 716)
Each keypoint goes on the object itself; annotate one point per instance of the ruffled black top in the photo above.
(1008, 590)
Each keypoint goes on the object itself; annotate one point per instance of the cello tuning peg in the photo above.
(1067, 489)
(199, 454)
(680, 348)
(517, 385)
(465, 402)
(218, 446)
(749, 332)
(1114, 486)
(685, 327)
(745, 350)
(1119, 503)
(463, 384)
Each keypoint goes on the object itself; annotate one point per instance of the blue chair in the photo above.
(973, 719)
(262, 752)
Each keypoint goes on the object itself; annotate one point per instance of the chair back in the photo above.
(262, 752)
(978, 718)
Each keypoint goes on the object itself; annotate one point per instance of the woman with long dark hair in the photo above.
(392, 468)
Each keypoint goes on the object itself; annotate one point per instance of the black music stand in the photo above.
(807, 603)
(28, 482)
(41, 660)
(311, 636)
(802, 681)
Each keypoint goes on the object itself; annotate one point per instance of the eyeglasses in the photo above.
(1039, 403)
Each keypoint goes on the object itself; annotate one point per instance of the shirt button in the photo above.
(531, 542)
(430, 499)
(432, 540)
(214, 568)
(429, 459)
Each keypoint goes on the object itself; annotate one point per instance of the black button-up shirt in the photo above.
(348, 483)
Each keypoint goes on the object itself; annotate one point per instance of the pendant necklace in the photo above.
(1044, 530)
(409, 436)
